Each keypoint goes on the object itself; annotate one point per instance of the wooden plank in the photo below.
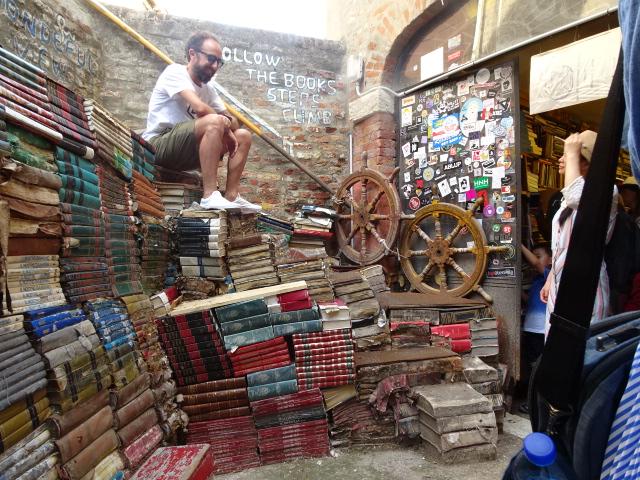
(362, 359)
(213, 302)
(407, 300)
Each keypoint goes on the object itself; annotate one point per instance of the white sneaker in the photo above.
(216, 201)
(246, 205)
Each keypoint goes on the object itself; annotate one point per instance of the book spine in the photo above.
(241, 310)
(272, 390)
(295, 316)
(247, 338)
(274, 375)
(245, 324)
(214, 397)
(202, 271)
(298, 327)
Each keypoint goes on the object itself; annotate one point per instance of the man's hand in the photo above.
(230, 142)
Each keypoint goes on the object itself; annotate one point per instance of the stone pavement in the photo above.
(393, 462)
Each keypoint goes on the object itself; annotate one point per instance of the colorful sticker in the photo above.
(489, 211)
(408, 101)
(444, 188)
(414, 203)
(463, 184)
(428, 174)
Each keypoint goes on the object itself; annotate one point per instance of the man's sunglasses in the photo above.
(212, 58)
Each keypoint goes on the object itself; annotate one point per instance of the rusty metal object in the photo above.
(439, 250)
(368, 215)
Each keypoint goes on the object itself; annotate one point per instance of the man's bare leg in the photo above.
(237, 163)
(209, 131)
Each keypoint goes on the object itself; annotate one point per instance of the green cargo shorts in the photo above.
(176, 148)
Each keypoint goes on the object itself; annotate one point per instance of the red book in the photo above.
(293, 296)
(313, 233)
(322, 347)
(326, 358)
(456, 331)
(461, 346)
(188, 462)
(323, 370)
(276, 349)
(266, 362)
(326, 336)
(258, 346)
(297, 305)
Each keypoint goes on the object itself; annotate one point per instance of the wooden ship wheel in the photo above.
(368, 215)
(440, 245)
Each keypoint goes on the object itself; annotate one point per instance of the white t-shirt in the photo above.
(167, 108)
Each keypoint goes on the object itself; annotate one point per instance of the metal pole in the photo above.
(241, 118)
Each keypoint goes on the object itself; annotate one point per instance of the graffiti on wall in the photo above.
(47, 43)
(299, 96)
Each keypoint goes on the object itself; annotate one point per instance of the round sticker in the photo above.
(419, 107)
(489, 211)
(470, 112)
(504, 162)
(483, 75)
(438, 172)
(467, 161)
(418, 171)
(507, 229)
(506, 215)
(496, 228)
(476, 164)
(506, 122)
(414, 203)
(428, 174)
(499, 211)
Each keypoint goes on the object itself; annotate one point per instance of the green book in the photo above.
(295, 316)
(239, 310)
(249, 337)
(298, 327)
(244, 324)
(269, 390)
(272, 376)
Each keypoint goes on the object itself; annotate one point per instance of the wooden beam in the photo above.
(195, 306)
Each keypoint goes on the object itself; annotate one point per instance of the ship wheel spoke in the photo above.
(422, 234)
(438, 226)
(441, 279)
(458, 268)
(428, 267)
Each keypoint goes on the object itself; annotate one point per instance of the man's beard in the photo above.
(203, 74)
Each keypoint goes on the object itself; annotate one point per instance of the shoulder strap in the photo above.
(561, 364)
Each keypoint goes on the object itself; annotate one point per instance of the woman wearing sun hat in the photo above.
(574, 164)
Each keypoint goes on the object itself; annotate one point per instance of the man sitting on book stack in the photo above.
(189, 126)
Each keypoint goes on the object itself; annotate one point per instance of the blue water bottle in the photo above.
(536, 460)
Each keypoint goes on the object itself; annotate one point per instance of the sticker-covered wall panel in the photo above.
(458, 143)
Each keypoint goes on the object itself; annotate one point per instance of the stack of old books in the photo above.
(485, 380)
(484, 337)
(233, 441)
(112, 323)
(335, 315)
(84, 266)
(155, 251)
(324, 359)
(194, 348)
(272, 383)
(144, 156)
(260, 356)
(457, 422)
(352, 422)
(177, 196)
(409, 328)
(390, 401)
(76, 361)
(455, 336)
(219, 415)
(32, 281)
(201, 239)
(298, 314)
(291, 426)
(369, 332)
(312, 228)
(375, 278)
(34, 456)
(136, 421)
(114, 139)
(244, 323)
(251, 262)
(204, 402)
(85, 437)
(23, 401)
(423, 364)
(122, 252)
(67, 110)
(311, 271)
(269, 224)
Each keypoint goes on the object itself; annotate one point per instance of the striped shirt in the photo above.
(560, 237)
